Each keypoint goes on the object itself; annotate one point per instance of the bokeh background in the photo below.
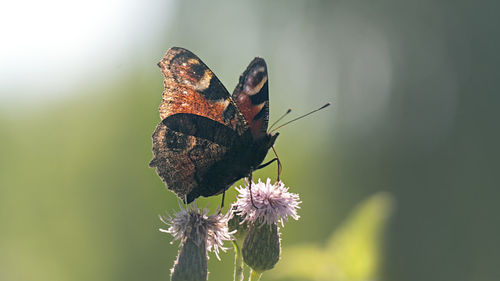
(412, 132)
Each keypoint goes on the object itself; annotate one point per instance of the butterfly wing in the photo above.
(187, 149)
(200, 123)
(252, 97)
(191, 87)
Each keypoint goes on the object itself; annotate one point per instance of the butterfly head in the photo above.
(271, 139)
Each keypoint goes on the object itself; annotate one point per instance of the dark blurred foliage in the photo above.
(415, 92)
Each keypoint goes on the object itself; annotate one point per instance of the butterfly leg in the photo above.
(266, 164)
(274, 159)
(222, 203)
(279, 163)
(280, 168)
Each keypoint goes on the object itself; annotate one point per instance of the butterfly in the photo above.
(208, 139)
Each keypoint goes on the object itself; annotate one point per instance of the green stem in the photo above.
(254, 275)
(238, 263)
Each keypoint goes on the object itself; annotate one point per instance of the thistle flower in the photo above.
(273, 204)
(198, 233)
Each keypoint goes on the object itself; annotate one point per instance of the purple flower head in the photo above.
(273, 203)
(195, 222)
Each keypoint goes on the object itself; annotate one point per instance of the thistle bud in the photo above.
(263, 207)
(198, 233)
(191, 263)
(262, 247)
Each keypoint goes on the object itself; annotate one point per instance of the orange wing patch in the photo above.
(190, 101)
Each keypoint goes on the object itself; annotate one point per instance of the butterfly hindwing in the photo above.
(182, 160)
(252, 97)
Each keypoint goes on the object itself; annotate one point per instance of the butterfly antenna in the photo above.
(279, 119)
(300, 117)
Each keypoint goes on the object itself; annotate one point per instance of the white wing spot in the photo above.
(225, 103)
(252, 91)
(204, 82)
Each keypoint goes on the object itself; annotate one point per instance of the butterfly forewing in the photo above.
(191, 87)
(252, 97)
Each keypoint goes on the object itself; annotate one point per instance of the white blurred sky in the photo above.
(47, 47)
(359, 59)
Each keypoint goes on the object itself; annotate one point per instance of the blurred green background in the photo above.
(415, 92)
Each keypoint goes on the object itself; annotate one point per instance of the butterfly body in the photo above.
(243, 158)
(207, 139)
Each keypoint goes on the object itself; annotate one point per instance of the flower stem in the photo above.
(238, 263)
(254, 275)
